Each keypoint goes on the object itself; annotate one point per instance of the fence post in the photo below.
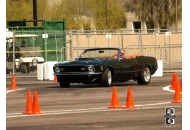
(122, 38)
(13, 52)
(71, 45)
(155, 43)
(109, 38)
(140, 42)
(77, 43)
(56, 47)
(169, 50)
(95, 39)
(160, 52)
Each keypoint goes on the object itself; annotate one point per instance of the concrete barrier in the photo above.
(48, 70)
(159, 71)
(40, 71)
(45, 70)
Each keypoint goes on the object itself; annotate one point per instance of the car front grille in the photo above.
(77, 69)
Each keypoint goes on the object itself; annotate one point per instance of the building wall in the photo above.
(131, 18)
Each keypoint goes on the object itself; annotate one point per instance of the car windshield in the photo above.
(99, 54)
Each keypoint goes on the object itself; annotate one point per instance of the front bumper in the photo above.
(79, 77)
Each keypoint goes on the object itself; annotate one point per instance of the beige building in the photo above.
(133, 24)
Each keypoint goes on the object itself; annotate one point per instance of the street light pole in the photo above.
(35, 12)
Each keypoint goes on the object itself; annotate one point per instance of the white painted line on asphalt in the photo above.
(57, 112)
(77, 110)
(8, 91)
(160, 107)
(154, 104)
(167, 88)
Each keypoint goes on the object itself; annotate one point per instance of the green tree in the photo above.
(81, 13)
(108, 14)
(18, 9)
(43, 9)
(77, 13)
(23, 9)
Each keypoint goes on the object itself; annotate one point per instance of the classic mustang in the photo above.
(99, 65)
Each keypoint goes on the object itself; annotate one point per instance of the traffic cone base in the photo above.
(114, 101)
(37, 113)
(177, 101)
(115, 107)
(55, 79)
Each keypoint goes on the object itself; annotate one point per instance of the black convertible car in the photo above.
(99, 65)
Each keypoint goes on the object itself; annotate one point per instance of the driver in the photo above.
(122, 54)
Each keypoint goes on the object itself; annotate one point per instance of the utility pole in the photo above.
(176, 21)
(35, 12)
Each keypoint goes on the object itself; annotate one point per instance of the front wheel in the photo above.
(145, 76)
(106, 78)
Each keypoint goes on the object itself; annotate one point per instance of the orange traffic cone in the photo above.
(177, 95)
(115, 101)
(174, 78)
(28, 103)
(180, 84)
(129, 100)
(55, 79)
(13, 83)
(36, 105)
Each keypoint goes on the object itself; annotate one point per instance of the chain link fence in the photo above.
(44, 46)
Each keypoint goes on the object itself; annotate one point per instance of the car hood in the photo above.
(82, 62)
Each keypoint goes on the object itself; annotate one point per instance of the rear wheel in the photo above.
(106, 78)
(145, 76)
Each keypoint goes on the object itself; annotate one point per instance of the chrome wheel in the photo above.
(146, 74)
(109, 77)
(106, 78)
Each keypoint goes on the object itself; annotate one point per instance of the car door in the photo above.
(127, 68)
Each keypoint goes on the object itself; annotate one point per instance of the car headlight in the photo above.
(91, 68)
(57, 69)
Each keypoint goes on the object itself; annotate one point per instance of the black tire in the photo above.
(64, 84)
(106, 78)
(145, 76)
